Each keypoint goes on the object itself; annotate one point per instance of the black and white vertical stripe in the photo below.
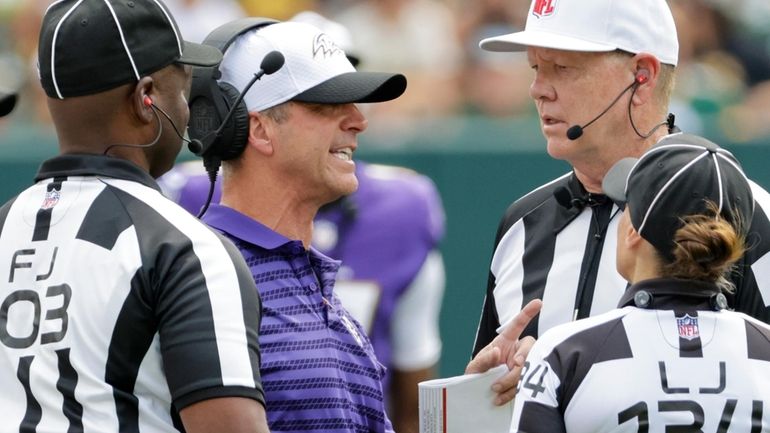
(130, 309)
(546, 251)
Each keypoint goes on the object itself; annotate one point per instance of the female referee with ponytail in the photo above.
(670, 358)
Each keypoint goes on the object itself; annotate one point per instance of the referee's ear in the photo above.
(633, 238)
(649, 66)
(142, 89)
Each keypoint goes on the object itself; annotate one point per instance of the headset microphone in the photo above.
(566, 200)
(576, 131)
(149, 103)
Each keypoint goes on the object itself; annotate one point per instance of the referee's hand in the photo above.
(509, 349)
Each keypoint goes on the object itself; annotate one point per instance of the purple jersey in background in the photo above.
(383, 234)
(386, 234)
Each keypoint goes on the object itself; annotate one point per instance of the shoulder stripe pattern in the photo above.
(225, 281)
(757, 340)
(576, 355)
(103, 209)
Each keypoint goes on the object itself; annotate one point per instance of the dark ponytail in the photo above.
(706, 248)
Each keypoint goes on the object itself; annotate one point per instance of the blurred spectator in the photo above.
(417, 37)
(24, 27)
(722, 77)
(279, 10)
(197, 18)
(491, 84)
(724, 68)
(10, 82)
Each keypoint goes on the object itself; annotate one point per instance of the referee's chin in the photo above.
(561, 148)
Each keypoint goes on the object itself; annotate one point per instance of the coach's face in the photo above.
(315, 147)
(571, 88)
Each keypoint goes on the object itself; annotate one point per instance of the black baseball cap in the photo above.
(674, 179)
(91, 46)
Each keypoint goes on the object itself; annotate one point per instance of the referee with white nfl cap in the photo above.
(672, 357)
(603, 75)
(119, 311)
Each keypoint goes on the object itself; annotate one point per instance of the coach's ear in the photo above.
(260, 133)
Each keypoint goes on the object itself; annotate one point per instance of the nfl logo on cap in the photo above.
(543, 8)
(688, 327)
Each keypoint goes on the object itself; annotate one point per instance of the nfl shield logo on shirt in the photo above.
(543, 8)
(51, 199)
(688, 327)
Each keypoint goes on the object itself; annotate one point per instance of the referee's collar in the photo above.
(78, 164)
(565, 214)
(673, 293)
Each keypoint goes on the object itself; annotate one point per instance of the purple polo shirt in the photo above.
(319, 371)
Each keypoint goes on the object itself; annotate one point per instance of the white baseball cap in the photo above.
(316, 69)
(635, 26)
(339, 33)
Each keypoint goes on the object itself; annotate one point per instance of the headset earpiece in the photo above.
(642, 76)
(210, 101)
(147, 101)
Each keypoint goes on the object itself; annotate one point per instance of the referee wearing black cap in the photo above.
(120, 312)
(672, 357)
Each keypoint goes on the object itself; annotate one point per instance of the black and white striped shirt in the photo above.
(118, 308)
(677, 366)
(566, 257)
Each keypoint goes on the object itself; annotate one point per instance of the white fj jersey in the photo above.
(117, 307)
(677, 367)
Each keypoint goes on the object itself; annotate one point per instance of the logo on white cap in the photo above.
(325, 45)
(634, 26)
(543, 8)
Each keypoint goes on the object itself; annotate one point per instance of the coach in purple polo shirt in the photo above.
(318, 370)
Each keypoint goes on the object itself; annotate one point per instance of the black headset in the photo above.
(211, 101)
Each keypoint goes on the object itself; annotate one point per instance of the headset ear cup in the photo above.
(210, 101)
(236, 132)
